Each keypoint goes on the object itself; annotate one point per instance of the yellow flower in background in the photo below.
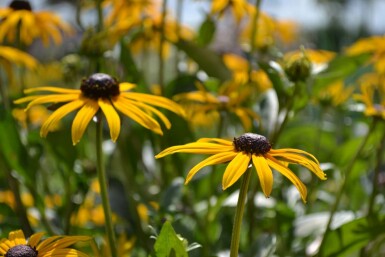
(372, 94)
(335, 94)
(201, 106)
(239, 8)
(317, 56)
(35, 117)
(240, 70)
(245, 150)
(10, 56)
(19, 18)
(269, 32)
(372, 45)
(101, 91)
(124, 246)
(16, 245)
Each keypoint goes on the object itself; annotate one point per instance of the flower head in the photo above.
(19, 17)
(101, 91)
(16, 245)
(245, 150)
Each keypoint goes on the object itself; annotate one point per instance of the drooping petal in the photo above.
(264, 172)
(278, 152)
(195, 147)
(216, 140)
(235, 169)
(302, 160)
(112, 118)
(127, 108)
(212, 160)
(58, 115)
(156, 101)
(124, 86)
(52, 89)
(151, 109)
(52, 99)
(275, 164)
(82, 118)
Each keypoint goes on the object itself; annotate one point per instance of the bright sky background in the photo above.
(306, 12)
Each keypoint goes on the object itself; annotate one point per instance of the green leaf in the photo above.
(206, 31)
(208, 60)
(350, 237)
(168, 243)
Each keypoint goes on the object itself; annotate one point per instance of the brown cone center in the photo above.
(100, 85)
(252, 143)
(21, 251)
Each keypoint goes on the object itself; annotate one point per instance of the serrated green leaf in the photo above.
(168, 243)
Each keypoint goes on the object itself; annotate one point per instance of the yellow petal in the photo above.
(82, 119)
(216, 140)
(151, 109)
(112, 118)
(126, 86)
(235, 169)
(212, 160)
(264, 172)
(52, 99)
(52, 89)
(127, 108)
(277, 152)
(35, 239)
(275, 164)
(58, 115)
(195, 147)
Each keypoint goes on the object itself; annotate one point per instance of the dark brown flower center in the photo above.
(100, 85)
(21, 251)
(20, 5)
(252, 143)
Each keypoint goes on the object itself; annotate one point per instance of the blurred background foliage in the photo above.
(320, 90)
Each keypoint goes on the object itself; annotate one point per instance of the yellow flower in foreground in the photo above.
(20, 18)
(101, 91)
(17, 245)
(244, 150)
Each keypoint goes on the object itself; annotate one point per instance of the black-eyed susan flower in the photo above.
(101, 92)
(18, 20)
(16, 245)
(245, 150)
(203, 106)
(240, 8)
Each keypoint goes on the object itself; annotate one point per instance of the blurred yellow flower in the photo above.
(35, 117)
(375, 46)
(20, 21)
(335, 94)
(17, 245)
(239, 8)
(10, 56)
(101, 91)
(240, 70)
(202, 106)
(372, 94)
(245, 150)
(124, 246)
(269, 32)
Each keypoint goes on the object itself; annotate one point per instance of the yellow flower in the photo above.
(101, 91)
(10, 56)
(124, 246)
(240, 8)
(230, 98)
(269, 31)
(35, 116)
(335, 94)
(245, 150)
(17, 245)
(20, 18)
(372, 94)
(372, 45)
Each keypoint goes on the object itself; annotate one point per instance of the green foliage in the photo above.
(169, 244)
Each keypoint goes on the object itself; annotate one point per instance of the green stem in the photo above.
(377, 170)
(103, 188)
(161, 46)
(348, 170)
(235, 237)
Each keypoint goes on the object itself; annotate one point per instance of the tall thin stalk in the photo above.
(347, 173)
(236, 233)
(103, 187)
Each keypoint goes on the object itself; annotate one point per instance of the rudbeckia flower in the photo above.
(20, 18)
(240, 8)
(245, 150)
(202, 106)
(101, 91)
(17, 245)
